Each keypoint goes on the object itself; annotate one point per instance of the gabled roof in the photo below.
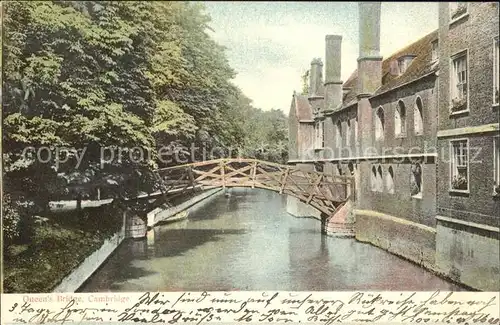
(420, 66)
(303, 109)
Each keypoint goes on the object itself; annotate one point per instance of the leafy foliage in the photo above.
(119, 78)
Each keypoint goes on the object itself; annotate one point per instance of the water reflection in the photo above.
(247, 241)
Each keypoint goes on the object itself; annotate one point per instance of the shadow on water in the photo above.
(173, 241)
(118, 267)
(247, 241)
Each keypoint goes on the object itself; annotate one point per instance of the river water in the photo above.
(249, 242)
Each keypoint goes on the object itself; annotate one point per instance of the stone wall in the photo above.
(468, 253)
(404, 238)
(79, 275)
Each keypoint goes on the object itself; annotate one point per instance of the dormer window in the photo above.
(435, 50)
(457, 10)
(404, 62)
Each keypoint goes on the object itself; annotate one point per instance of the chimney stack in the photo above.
(316, 79)
(370, 60)
(333, 84)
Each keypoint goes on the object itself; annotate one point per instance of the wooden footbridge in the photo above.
(327, 193)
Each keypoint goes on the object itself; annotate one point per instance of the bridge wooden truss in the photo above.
(325, 192)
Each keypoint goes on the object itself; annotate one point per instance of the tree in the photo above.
(93, 89)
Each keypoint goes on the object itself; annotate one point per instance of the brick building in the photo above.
(406, 128)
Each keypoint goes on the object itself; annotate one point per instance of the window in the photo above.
(339, 170)
(402, 65)
(374, 179)
(458, 82)
(380, 183)
(400, 119)
(338, 134)
(351, 167)
(356, 131)
(418, 120)
(496, 153)
(318, 167)
(379, 123)
(404, 62)
(459, 165)
(319, 136)
(322, 134)
(348, 133)
(389, 180)
(496, 73)
(316, 135)
(457, 10)
(435, 50)
(416, 180)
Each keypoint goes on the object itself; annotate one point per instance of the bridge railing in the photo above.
(321, 190)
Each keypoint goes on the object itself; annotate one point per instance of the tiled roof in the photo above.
(352, 83)
(420, 66)
(303, 109)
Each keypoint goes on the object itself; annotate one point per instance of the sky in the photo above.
(271, 44)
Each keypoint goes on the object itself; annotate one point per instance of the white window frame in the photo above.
(454, 6)
(452, 167)
(420, 116)
(454, 82)
(379, 124)
(496, 163)
(496, 71)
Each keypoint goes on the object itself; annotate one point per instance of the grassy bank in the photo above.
(59, 243)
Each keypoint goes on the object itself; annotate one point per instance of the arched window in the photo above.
(389, 180)
(418, 119)
(348, 133)
(400, 119)
(379, 123)
(380, 182)
(373, 179)
(416, 180)
(338, 134)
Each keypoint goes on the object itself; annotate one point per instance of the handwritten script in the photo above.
(253, 308)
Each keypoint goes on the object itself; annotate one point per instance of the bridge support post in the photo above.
(340, 224)
(135, 226)
(222, 174)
